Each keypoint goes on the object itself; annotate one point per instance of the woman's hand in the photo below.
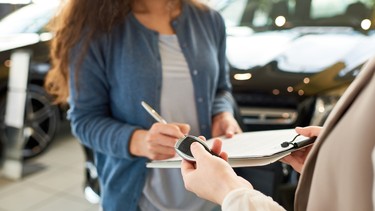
(158, 142)
(225, 124)
(211, 177)
(297, 158)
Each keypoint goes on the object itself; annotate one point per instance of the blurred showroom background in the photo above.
(290, 61)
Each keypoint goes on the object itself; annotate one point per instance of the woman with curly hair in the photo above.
(109, 56)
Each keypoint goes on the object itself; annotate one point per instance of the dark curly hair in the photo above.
(78, 17)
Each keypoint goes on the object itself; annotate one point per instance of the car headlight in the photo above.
(323, 106)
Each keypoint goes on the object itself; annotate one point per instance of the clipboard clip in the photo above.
(300, 143)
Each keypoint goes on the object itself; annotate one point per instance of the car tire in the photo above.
(41, 121)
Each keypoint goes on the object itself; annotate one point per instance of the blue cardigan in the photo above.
(123, 68)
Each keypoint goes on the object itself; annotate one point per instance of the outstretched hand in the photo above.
(297, 158)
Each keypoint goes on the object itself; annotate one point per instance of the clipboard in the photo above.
(251, 148)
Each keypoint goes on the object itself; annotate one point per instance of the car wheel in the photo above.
(41, 121)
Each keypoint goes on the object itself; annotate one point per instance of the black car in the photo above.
(25, 29)
(292, 59)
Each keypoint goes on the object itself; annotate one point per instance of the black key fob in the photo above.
(183, 147)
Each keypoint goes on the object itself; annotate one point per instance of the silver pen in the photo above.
(153, 113)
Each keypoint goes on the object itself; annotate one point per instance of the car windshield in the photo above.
(261, 15)
(29, 19)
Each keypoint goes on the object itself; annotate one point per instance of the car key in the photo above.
(183, 147)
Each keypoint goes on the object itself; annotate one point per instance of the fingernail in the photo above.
(194, 144)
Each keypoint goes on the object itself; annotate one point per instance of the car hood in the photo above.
(279, 61)
(13, 41)
(298, 52)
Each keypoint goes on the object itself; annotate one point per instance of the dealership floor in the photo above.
(52, 181)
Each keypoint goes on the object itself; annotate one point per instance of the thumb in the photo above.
(198, 151)
(308, 131)
(229, 132)
(184, 128)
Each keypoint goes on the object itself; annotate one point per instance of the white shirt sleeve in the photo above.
(246, 199)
